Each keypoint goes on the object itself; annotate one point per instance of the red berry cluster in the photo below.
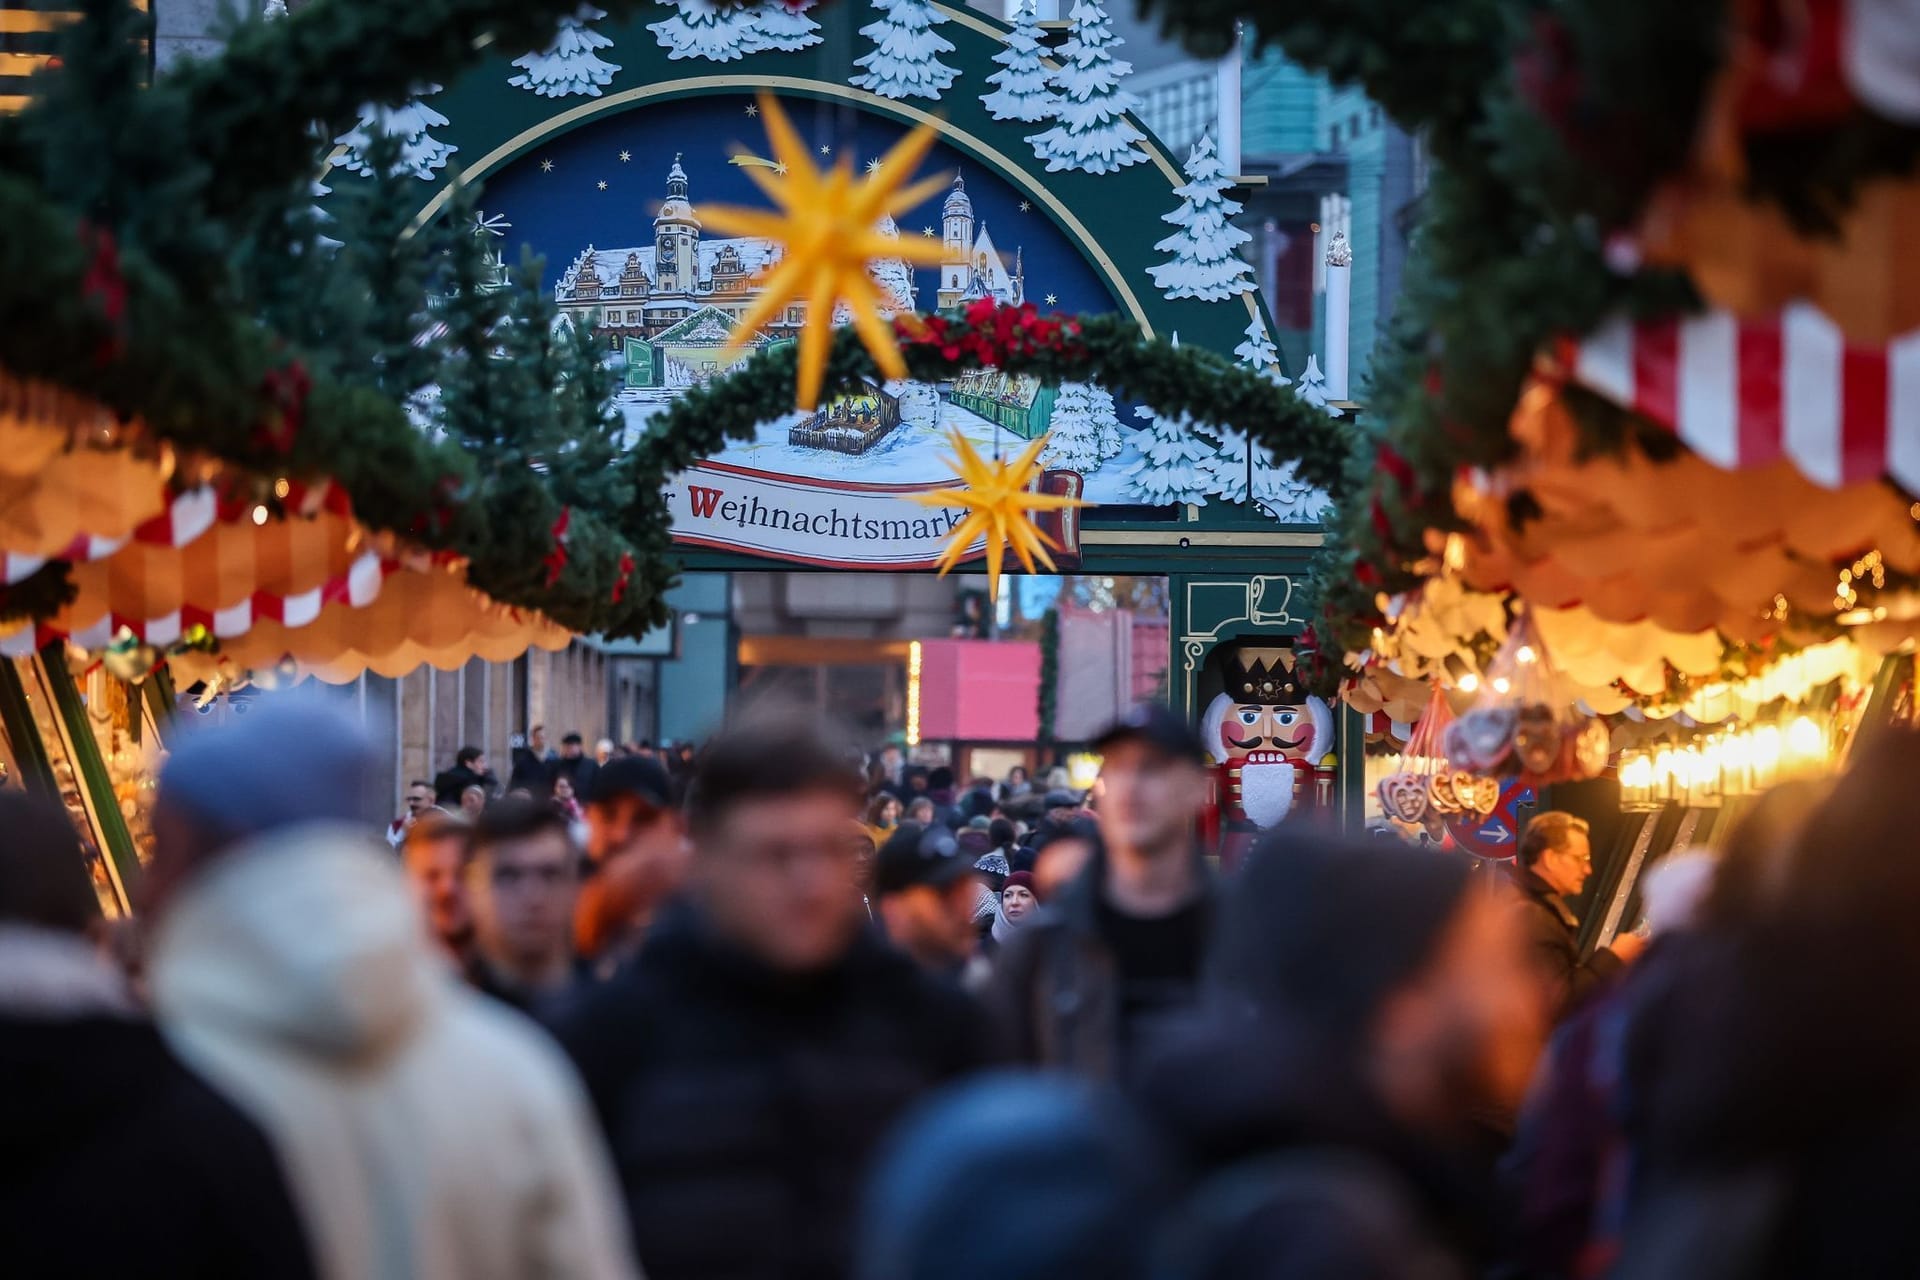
(989, 333)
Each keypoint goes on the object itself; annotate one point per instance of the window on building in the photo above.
(1333, 135)
(1353, 125)
(1373, 117)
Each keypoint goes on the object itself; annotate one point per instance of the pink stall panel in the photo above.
(979, 691)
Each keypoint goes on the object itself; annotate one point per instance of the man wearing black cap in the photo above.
(1123, 946)
(927, 894)
(636, 855)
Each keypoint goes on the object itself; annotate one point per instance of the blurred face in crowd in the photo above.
(523, 895)
(1466, 1032)
(772, 873)
(562, 788)
(1567, 868)
(434, 865)
(537, 740)
(890, 812)
(419, 799)
(478, 764)
(570, 748)
(1017, 902)
(864, 853)
(472, 801)
(921, 811)
(1150, 799)
(934, 924)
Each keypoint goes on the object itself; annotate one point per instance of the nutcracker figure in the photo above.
(1271, 743)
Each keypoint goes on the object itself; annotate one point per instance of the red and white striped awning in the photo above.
(188, 516)
(1745, 393)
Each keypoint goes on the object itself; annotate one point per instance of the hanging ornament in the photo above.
(829, 230)
(1524, 723)
(626, 575)
(999, 500)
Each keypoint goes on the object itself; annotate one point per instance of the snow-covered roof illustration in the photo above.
(707, 327)
(987, 262)
(607, 264)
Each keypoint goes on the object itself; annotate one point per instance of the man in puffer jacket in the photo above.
(426, 1131)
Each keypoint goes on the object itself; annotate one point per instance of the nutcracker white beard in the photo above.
(1266, 793)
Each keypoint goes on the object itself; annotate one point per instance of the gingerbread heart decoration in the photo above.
(1486, 795)
(1465, 787)
(1404, 796)
(1440, 797)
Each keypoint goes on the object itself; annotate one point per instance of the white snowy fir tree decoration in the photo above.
(1173, 461)
(1313, 387)
(718, 32)
(784, 27)
(1073, 439)
(1205, 264)
(569, 65)
(1091, 132)
(1106, 421)
(1274, 486)
(1256, 351)
(420, 152)
(905, 62)
(1022, 92)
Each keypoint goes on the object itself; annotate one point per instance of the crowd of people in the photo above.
(783, 1010)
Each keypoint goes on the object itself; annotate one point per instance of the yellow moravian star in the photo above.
(999, 505)
(829, 224)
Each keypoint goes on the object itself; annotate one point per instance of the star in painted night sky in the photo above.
(1026, 206)
(927, 232)
(873, 165)
(753, 108)
(546, 166)
(825, 150)
(1052, 299)
(625, 156)
(602, 184)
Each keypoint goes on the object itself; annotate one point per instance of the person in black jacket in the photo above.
(1554, 861)
(469, 770)
(115, 1159)
(749, 1062)
(1366, 1005)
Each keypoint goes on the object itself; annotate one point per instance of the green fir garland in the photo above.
(1049, 693)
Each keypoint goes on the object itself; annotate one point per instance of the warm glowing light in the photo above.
(1501, 684)
(260, 514)
(1083, 767)
(1469, 682)
(1525, 654)
(1805, 740)
(282, 487)
(913, 694)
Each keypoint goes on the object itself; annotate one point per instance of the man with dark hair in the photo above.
(419, 801)
(636, 855)
(532, 764)
(435, 856)
(748, 1064)
(91, 1097)
(1122, 944)
(1554, 861)
(576, 764)
(522, 876)
(469, 770)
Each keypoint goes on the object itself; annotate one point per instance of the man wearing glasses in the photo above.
(1554, 863)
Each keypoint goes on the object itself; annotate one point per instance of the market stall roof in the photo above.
(1748, 392)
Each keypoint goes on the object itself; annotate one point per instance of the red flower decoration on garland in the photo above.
(626, 573)
(556, 559)
(988, 333)
(104, 284)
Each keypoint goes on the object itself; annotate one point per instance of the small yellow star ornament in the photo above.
(828, 224)
(1000, 505)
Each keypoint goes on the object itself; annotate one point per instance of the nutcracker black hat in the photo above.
(1264, 677)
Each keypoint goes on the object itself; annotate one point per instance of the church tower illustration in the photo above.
(972, 267)
(676, 237)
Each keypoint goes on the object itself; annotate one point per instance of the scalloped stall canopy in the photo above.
(600, 153)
